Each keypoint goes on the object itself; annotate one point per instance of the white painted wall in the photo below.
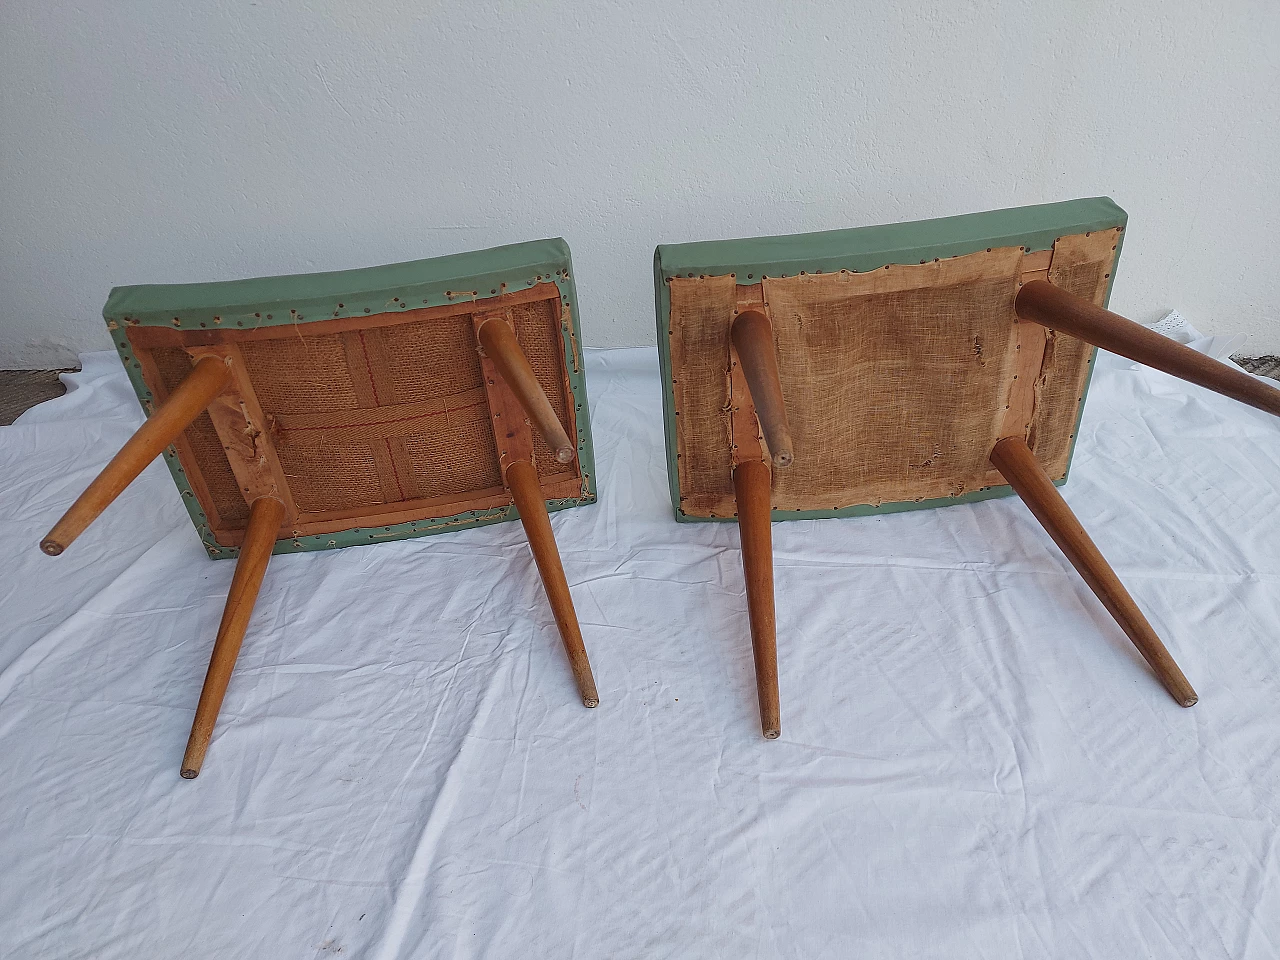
(163, 141)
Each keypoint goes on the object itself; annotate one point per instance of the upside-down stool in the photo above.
(861, 372)
(342, 409)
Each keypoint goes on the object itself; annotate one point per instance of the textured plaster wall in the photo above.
(162, 141)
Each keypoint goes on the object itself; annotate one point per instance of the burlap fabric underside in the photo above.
(389, 414)
(895, 381)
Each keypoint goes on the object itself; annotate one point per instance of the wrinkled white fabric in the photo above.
(974, 762)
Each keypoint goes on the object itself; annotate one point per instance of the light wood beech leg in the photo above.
(751, 488)
(522, 481)
(752, 335)
(1041, 302)
(265, 516)
(206, 380)
(1016, 463)
(501, 347)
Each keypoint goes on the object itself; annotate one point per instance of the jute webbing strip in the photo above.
(395, 420)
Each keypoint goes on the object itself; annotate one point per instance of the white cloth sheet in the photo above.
(974, 761)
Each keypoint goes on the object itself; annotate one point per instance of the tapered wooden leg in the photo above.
(502, 348)
(205, 381)
(522, 480)
(1016, 463)
(1041, 302)
(265, 516)
(752, 335)
(751, 488)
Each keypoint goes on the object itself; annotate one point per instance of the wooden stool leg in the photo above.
(188, 400)
(265, 516)
(752, 335)
(522, 480)
(1016, 463)
(501, 347)
(1041, 302)
(751, 488)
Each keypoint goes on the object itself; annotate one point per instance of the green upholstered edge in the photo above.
(862, 249)
(307, 298)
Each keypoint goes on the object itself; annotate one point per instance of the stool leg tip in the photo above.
(189, 774)
(51, 547)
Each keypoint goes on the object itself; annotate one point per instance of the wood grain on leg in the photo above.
(751, 487)
(501, 347)
(1043, 303)
(265, 516)
(522, 481)
(752, 335)
(1016, 463)
(189, 399)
